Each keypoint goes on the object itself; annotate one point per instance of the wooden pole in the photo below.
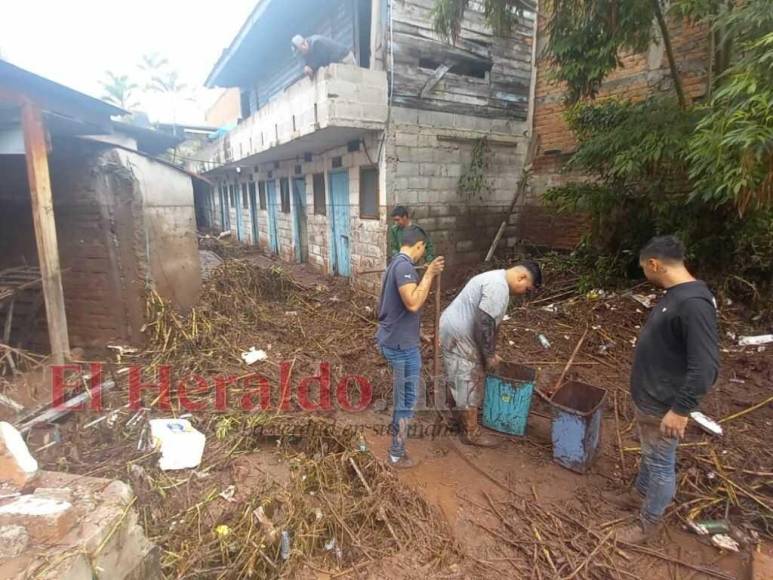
(571, 360)
(45, 229)
(436, 351)
(523, 183)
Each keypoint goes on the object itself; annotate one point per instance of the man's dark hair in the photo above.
(667, 248)
(533, 268)
(412, 235)
(400, 211)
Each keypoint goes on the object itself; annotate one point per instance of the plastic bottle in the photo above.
(284, 546)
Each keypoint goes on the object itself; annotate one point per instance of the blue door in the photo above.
(300, 236)
(339, 223)
(241, 195)
(254, 213)
(224, 225)
(273, 232)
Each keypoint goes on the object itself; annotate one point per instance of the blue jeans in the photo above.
(406, 373)
(657, 471)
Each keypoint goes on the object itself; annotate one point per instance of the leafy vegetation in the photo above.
(475, 181)
(701, 170)
(119, 90)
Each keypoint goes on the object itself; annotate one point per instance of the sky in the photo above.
(74, 42)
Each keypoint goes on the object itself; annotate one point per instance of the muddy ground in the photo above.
(477, 513)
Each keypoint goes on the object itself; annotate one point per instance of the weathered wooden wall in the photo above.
(488, 77)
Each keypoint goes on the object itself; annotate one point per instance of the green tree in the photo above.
(161, 78)
(120, 90)
(702, 170)
(731, 152)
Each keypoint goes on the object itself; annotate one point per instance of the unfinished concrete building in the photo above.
(88, 220)
(315, 165)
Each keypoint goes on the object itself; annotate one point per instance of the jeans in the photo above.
(657, 471)
(406, 373)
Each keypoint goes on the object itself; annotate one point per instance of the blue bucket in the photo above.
(576, 432)
(508, 398)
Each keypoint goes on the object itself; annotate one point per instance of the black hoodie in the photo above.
(677, 358)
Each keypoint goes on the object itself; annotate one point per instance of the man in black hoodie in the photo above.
(675, 364)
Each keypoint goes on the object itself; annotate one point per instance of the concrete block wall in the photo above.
(338, 96)
(168, 223)
(428, 152)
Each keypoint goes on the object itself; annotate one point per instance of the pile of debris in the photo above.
(336, 506)
(58, 525)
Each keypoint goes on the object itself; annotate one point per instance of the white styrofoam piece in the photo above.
(181, 445)
(706, 423)
(755, 340)
(15, 444)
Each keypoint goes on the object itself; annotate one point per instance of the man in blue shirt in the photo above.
(399, 332)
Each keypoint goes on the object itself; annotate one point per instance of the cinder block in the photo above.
(13, 540)
(419, 182)
(406, 116)
(45, 519)
(406, 139)
(407, 169)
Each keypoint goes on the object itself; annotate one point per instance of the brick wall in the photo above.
(641, 75)
(98, 300)
(119, 224)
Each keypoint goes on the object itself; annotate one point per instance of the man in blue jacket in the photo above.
(675, 364)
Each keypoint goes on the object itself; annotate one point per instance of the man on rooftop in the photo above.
(318, 51)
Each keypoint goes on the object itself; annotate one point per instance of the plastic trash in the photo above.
(709, 527)
(645, 301)
(725, 542)
(708, 424)
(284, 545)
(222, 531)
(543, 340)
(228, 493)
(266, 525)
(755, 340)
(253, 355)
(180, 444)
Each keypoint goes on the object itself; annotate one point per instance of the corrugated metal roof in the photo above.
(52, 96)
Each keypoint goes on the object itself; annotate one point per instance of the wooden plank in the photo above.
(434, 80)
(45, 230)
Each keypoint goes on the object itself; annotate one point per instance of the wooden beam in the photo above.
(436, 77)
(45, 229)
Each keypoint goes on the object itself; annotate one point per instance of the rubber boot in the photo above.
(472, 433)
(639, 532)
